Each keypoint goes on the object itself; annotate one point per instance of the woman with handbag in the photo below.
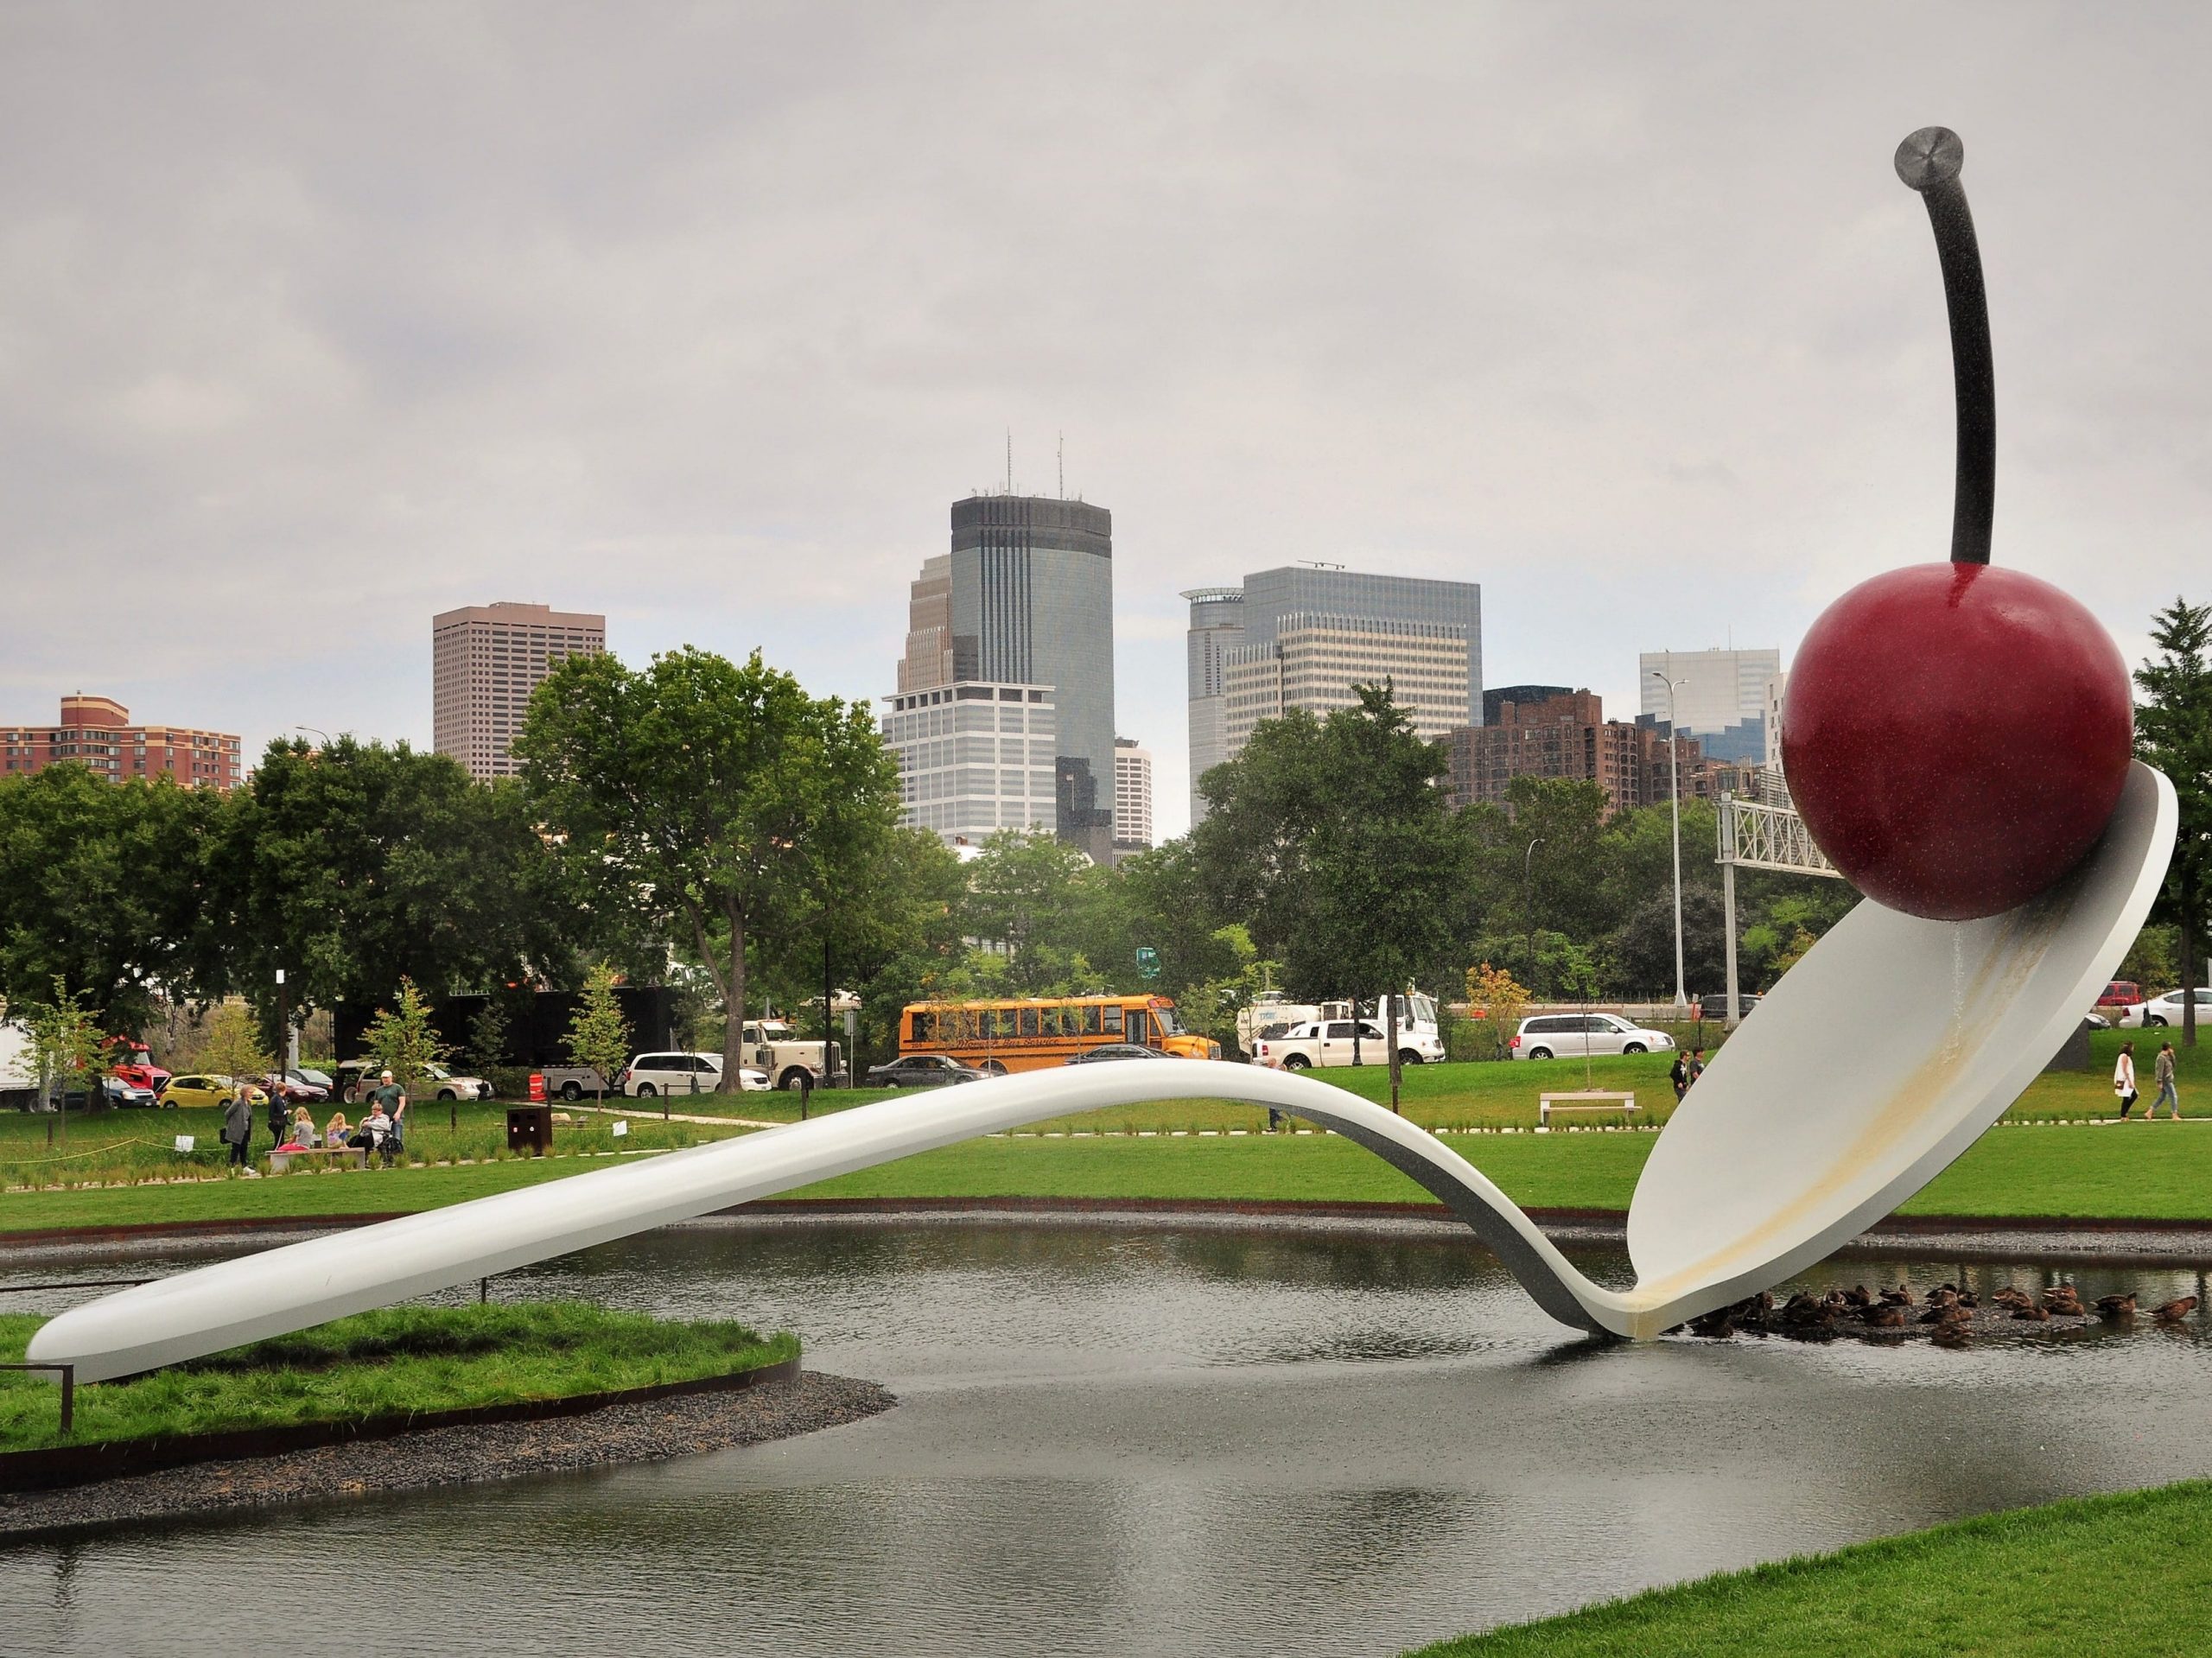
(2123, 1079)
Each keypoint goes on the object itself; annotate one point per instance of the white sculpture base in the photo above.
(1883, 1055)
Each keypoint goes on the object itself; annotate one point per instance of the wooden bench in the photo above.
(281, 1161)
(1586, 1100)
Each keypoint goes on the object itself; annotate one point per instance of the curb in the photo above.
(84, 1464)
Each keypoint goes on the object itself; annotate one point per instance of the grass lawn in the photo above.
(391, 1362)
(2147, 1172)
(2127, 1575)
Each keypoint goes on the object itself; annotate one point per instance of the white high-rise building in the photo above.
(485, 661)
(974, 757)
(1132, 796)
(1775, 687)
(1719, 697)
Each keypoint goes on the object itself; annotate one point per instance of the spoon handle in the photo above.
(1929, 161)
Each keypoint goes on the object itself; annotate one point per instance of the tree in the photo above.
(598, 1035)
(1333, 838)
(67, 1044)
(1497, 997)
(488, 1035)
(705, 798)
(2173, 733)
(101, 883)
(233, 1046)
(1022, 899)
(402, 1041)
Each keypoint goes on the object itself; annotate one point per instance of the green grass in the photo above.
(397, 1362)
(2125, 1575)
(2160, 1171)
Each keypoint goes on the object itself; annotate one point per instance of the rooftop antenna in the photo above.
(1009, 459)
(1061, 454)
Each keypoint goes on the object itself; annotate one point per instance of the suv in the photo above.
(653, 1074)
(1552, 1035)
(356, 1080)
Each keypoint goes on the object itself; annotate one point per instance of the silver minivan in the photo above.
(1560, 1036)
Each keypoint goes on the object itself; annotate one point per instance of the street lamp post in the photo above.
(1675, 792)
(1527, 909)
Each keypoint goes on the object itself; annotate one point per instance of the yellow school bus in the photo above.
(1033, 1032)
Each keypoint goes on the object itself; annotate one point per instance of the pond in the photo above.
(1323, 1439)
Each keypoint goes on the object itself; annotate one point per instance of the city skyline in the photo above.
(410, 316)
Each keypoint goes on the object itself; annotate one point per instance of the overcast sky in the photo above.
(317, 319)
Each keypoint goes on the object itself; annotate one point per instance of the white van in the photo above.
(650, 1075)
(1562, 1036)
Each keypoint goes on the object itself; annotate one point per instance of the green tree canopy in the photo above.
(2173, 733)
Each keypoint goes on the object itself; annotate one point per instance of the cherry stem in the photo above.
(1929, 161)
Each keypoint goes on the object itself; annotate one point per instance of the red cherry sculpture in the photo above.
(1957, 736)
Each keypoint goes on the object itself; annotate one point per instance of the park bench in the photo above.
(357, 1155)
(1583, 1100)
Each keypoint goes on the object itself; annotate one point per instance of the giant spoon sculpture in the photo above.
(1958, 738)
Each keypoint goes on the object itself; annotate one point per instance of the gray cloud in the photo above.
(315, 321)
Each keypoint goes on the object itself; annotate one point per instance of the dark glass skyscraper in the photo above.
(1031, 602)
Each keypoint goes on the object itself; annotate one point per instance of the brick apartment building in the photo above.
(97, 732)
(1566, 734)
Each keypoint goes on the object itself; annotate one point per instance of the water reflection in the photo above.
(1156, 1441)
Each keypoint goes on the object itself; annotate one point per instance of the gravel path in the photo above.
(642, 1432)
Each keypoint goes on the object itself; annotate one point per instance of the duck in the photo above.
(2172, 1313)
(2032, 1313)
(1950, 1313)
(1888, 1316)
(2006, 1295)
(1953, 1334)
(1858, 1296)
(1943, 1296)
(2116, 1306)
(1899, 1296)
(2065, 1304)
(1968, 1299)
(1716, 1324)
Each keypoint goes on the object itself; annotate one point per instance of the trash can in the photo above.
(530, 1129)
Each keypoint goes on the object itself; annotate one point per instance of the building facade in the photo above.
(1720, 696)
(1217, 628)
(975, 758)
(1026, 597)
(485, 661)
(1568, 736)
(1132, 796)
(1301, 636)
(97, 733)
(1775, 688)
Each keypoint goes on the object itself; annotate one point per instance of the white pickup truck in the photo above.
(1331, 1042)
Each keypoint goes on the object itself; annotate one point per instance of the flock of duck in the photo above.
(1952, 1315)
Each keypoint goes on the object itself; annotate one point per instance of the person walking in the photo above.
(2163, 1074)
(1681, 1076)
(280, 1119)
(237, 1128)
(2123, 1079)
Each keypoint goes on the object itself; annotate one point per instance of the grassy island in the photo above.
(2125, 1575)
(399, 1362)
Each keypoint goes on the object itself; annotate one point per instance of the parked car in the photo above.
(922, 1070)
(1115, 1051)
(296, 1088)
(116, 1094)
(572, 1082)
(2166, 1010)
(1327, 1042)
(356, 1080)
(1716, 1006)
(205, 1089)
(1559, 1036)
(650, 1075)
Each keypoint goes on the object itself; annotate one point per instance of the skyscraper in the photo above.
(1301, 636)
(1026, 597)
(1720, 698)
(973, 758)
(1132, 796)
(485, 661)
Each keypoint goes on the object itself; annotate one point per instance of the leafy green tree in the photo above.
(403, 1041)
(488, 1035)
(1333, 838)
(705, 798)
(103, 883)
(598, 1035)
(232, 1046)
(67, 1047)
(2173, 733)
(359, 864)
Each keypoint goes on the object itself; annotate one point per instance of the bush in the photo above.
(508, 1082)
